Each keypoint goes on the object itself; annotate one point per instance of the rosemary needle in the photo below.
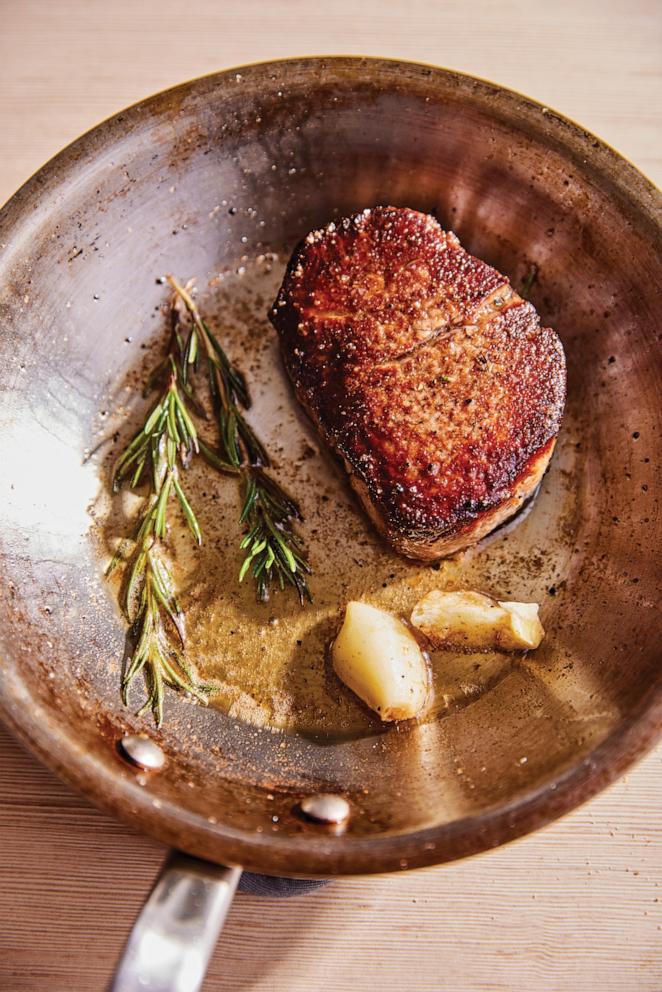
(529, 281)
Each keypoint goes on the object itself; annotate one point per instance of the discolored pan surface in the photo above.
(269, 662)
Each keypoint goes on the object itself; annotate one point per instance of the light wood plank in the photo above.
(572, 909)
(66, 65)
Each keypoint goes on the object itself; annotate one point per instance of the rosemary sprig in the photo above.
(158, 454)
(164, 445)
(273, 548)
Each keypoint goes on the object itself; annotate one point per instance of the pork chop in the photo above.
(425, 372)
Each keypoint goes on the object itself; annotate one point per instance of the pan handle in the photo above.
(176, 931)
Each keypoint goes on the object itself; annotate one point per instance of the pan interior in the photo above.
(218, 180)
(269, 662)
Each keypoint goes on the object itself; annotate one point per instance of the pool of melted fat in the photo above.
(269, 662)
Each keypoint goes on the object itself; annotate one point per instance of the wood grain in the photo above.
(572, 909)
(66, 64)
(575, 907)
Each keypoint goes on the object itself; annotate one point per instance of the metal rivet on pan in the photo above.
(326, 808)
(141, 751)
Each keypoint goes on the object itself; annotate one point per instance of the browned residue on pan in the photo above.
(269, 661)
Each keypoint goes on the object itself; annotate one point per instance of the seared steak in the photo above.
(425, 371)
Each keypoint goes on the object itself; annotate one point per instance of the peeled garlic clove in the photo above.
(380, 660)
(473, 622)
(525, 627)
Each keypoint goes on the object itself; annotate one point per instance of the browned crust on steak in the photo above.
(422, 368)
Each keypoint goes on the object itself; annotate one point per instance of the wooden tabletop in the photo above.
(575, 907)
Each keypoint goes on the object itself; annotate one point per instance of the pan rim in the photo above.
(176, 825)
(123, 797)
(553, 117)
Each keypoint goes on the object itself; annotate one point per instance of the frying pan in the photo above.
(202, 180)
